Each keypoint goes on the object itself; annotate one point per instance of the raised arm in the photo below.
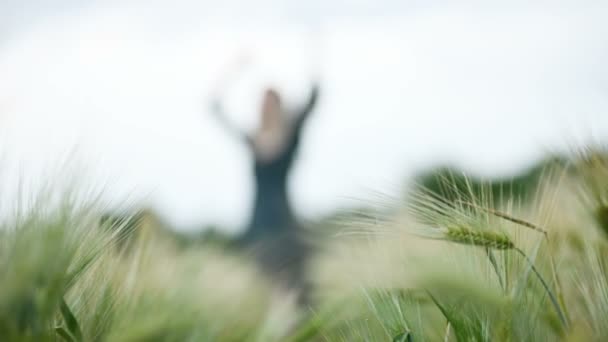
(302, 115)
(310, 104)
(218, 112)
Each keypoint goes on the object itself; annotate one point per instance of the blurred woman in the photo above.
(273, 227)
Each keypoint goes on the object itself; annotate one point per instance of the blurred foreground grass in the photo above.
(462, 261)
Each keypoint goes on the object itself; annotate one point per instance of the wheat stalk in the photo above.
(507, 217)
(499, 241)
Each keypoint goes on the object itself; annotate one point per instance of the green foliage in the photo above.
(463, 267)
(513, 267)
(450, 183)
(67, 275)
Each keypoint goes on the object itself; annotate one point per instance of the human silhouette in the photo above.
(273, 227)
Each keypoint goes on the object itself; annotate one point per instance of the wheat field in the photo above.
(460, 262)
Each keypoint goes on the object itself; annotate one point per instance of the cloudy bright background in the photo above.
(122, 89)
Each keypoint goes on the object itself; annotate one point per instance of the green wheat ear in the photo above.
(486, 239)
(500, 241)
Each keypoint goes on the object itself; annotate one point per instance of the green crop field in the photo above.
(458, 259)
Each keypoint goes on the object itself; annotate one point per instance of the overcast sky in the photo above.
(123, 88)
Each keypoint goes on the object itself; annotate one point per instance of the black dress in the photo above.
(273, 229)
(272, 213)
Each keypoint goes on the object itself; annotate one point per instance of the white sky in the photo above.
(489, 88)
